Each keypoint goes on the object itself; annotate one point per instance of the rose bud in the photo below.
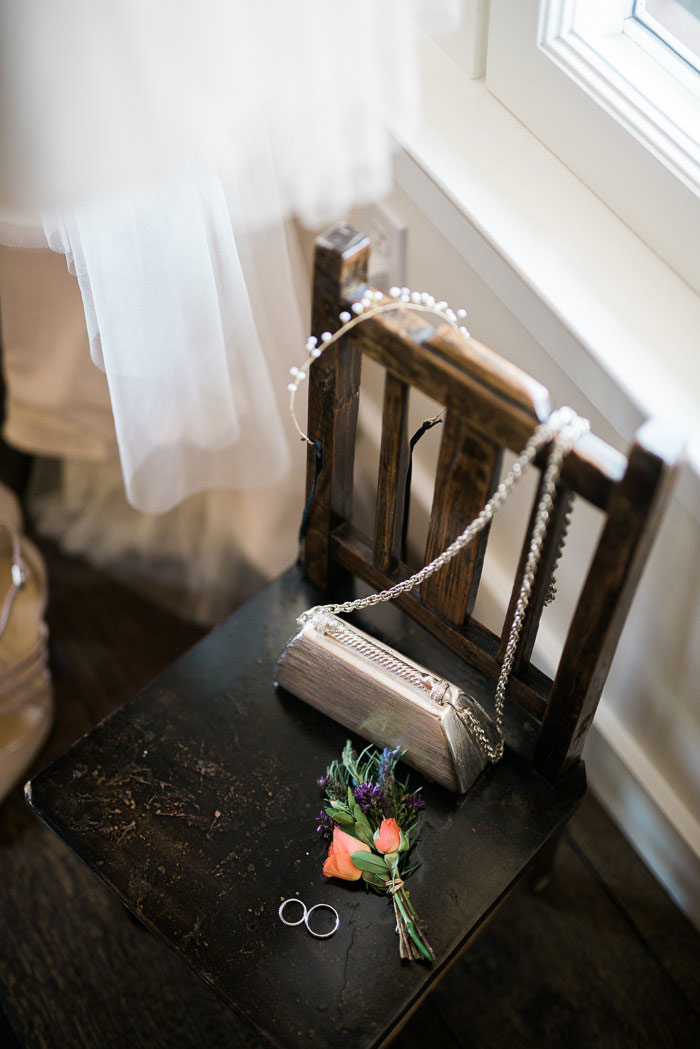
(339, 864)
(388, 837)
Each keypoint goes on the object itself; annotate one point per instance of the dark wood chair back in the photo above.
(490, 406)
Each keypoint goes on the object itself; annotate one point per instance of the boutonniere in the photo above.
(370, 821)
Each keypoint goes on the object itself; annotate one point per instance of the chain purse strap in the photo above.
(562, 429)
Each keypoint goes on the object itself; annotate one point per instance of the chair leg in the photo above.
(543, 864)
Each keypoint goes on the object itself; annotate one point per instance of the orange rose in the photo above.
(339, 864)
(388, 837)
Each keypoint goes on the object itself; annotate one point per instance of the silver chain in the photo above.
(383, 658)
(564, 531)
(563, 428)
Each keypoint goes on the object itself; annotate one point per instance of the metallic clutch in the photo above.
(389, 699)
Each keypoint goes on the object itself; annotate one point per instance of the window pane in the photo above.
(677, 22)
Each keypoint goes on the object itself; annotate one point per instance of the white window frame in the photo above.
(666, 35)
(615, 104)
(463, 39)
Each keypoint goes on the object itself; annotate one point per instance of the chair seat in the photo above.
(196, 802)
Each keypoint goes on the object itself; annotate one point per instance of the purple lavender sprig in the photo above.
(325, 826)
(367, 795)
(414, 802)
(333, 784)
(386, 779)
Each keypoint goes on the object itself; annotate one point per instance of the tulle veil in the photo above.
(151, 143)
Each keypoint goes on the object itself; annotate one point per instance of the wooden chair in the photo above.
(196, 800)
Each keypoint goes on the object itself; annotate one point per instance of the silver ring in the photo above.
(322, 935)
(293, 899)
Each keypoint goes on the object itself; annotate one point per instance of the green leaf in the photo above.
(364, 833)
(367, 861)
(341, 817)
(373, 879)
(364, 830)
(339, 805)
(364, 823)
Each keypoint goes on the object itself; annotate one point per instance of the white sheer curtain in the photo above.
(147, 141)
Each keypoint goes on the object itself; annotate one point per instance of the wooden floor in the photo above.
(601, 958)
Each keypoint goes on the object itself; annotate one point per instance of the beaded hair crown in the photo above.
(371, 304)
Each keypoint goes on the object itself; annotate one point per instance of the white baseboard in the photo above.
(654, 820)
(624, 778)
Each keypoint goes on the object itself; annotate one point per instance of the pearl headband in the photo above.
(371, 304)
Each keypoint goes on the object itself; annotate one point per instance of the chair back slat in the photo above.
(342, 257)
(467, 474)
(393, 467)
(491, 406)
(551, 548)
(634, 515)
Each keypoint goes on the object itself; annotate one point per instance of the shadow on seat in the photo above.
(195, 801)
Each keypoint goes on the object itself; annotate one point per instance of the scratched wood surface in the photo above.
(196, 803)
(617, 964)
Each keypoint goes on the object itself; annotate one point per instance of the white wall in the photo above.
(642, 754)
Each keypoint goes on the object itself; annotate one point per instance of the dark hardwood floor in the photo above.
(601, 958)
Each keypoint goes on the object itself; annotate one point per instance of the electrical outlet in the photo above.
(387, 260)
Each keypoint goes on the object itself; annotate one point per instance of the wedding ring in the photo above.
(294, 899)
(327, 907)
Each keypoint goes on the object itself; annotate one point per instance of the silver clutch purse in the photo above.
(392, 700)
(389, 699)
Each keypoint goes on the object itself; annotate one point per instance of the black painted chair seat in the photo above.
(196, 803)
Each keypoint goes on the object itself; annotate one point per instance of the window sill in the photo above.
(616, 317)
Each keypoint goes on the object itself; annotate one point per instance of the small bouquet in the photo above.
(370, 820)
